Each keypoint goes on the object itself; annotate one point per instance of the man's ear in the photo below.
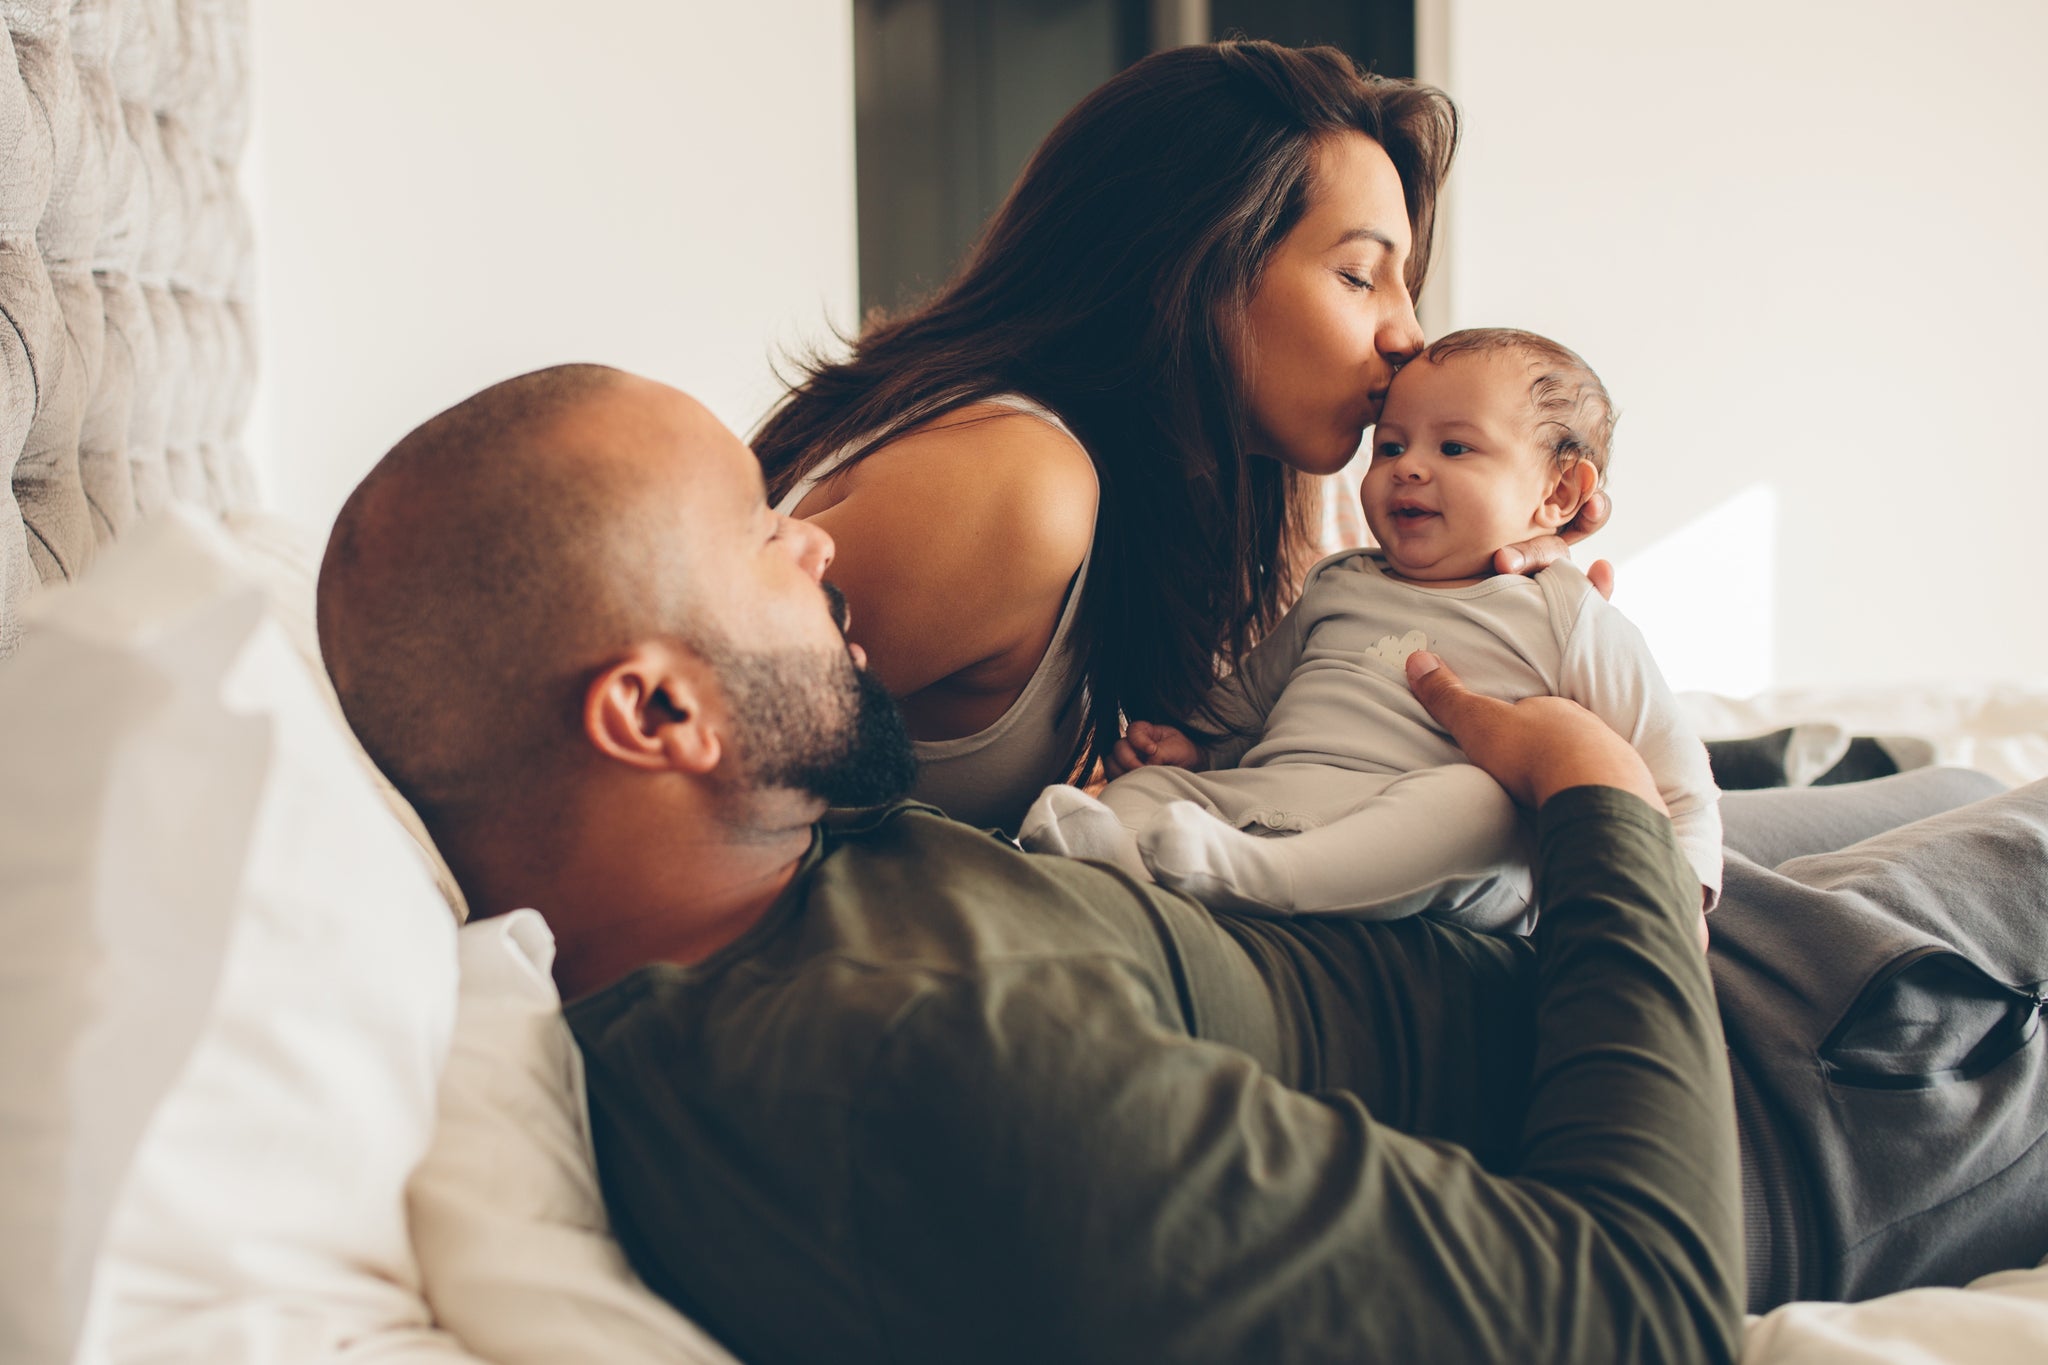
(1568, 493)
(647, 711)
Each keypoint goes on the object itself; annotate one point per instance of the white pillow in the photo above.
(516, 1253)
(283, 559)
(2001, 1319)
(228, 989)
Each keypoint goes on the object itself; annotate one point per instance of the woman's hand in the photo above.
(1527, 556)
(1147, 744)
(1536, 747)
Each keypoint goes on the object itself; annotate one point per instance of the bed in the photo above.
(267, 1097)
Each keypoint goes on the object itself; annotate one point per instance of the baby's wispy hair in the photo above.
(1574, 416)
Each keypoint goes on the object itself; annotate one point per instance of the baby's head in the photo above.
(1490, 436)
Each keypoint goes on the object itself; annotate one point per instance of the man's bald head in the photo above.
(494, 558)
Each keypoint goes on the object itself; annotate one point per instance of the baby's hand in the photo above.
(1147, 744)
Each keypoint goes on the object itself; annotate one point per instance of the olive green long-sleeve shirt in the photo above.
(952, 1103)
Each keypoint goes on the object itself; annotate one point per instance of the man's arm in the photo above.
(1048, 1169)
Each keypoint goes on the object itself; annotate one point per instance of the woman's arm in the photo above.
(957, 543)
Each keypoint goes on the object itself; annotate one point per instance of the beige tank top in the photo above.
(990, 777)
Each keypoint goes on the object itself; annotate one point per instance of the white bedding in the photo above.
(2002, 731)
(1997, 729)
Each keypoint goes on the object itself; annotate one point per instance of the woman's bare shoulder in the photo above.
(957, 542)
(1005, 483)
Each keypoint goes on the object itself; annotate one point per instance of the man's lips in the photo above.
(842, 617)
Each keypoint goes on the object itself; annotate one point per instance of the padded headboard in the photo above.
(125, 275)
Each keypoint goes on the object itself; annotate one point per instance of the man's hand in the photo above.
(1536, 747)
(1146, 744)
(1527, 556)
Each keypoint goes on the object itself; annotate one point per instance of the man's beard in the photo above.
(808, 720)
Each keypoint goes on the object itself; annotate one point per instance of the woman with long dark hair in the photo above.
(1078, 478)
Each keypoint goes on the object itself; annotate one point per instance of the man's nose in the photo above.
(811, 545)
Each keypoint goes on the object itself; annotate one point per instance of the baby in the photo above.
(1490, 437)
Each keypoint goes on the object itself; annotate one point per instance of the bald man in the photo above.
(871, 1085)
(539, 603)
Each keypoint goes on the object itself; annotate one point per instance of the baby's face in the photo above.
(1456, 472)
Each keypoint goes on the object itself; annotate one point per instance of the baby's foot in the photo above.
(1191, 850)
(1070, 822)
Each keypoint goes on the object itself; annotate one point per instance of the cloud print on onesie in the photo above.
(1393, 650)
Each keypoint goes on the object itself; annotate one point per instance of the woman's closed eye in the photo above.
(1357, 281)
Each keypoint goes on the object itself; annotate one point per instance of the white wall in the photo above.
(452, 192)
(1802, 242)
(1799, 241)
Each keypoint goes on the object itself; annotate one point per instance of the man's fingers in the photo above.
(1484, 727)
(1527, 556)
(1601, 575)
(1593, 515)
(1439, 690)
(1534, 748)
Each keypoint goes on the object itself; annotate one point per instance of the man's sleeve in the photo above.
(1047, 1169)
(1609, 670)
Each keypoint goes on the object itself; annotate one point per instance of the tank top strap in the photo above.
(828, 466)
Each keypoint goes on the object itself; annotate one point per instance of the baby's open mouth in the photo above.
(1412, 513)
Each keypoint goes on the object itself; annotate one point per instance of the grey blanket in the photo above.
(1882, 1003)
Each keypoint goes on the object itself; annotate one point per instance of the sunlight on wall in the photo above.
(1801, 244)
(1705, 596)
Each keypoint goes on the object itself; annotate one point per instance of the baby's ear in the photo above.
(1568, 492)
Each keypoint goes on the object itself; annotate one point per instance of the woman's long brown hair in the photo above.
(1109, 287)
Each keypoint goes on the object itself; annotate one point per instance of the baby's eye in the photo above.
(1456, 448)
(1389, 450)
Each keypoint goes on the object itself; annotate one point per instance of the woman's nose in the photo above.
(1400, 339)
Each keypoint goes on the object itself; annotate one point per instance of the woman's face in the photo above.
(1332, 318)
